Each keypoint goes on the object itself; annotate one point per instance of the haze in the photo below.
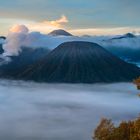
(34, 111)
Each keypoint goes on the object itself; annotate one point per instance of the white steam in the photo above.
(19, 29)
(15, 40)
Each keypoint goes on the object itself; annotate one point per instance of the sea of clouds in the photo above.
(35, 111)
(19, 36)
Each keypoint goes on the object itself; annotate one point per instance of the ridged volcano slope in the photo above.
(80, 62)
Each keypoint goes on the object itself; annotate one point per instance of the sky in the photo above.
(93, 17)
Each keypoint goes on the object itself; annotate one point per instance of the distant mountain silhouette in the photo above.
(1, 49)
(80, 62)
(126, 47)
(59, 32)
(128, 35)
(2, 37)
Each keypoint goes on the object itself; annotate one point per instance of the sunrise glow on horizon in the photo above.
(79, 17)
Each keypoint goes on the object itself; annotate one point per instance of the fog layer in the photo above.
(31, 111)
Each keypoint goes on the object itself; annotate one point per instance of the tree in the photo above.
(104, 130)
(137, 82)
(125, 131)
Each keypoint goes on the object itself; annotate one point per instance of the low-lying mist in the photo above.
(32, 111)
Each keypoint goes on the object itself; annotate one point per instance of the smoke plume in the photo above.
(14, 41)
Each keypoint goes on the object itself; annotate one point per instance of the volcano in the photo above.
(60, 32)
(128, 35)
(80, 62)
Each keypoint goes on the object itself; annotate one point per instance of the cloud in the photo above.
(19, 36)
(87, 14)
(46, 26)
(1, 41)
(15, 39)
(19, 29)
(63, 20)
(65, 111)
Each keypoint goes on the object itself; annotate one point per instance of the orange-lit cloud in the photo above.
(47, 26)
(57, 23)
(19, 29)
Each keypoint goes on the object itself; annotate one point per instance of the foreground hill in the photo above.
(80, 62)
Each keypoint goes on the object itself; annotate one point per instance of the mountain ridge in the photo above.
(80, 62)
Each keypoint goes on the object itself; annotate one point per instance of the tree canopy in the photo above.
(126, 130)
